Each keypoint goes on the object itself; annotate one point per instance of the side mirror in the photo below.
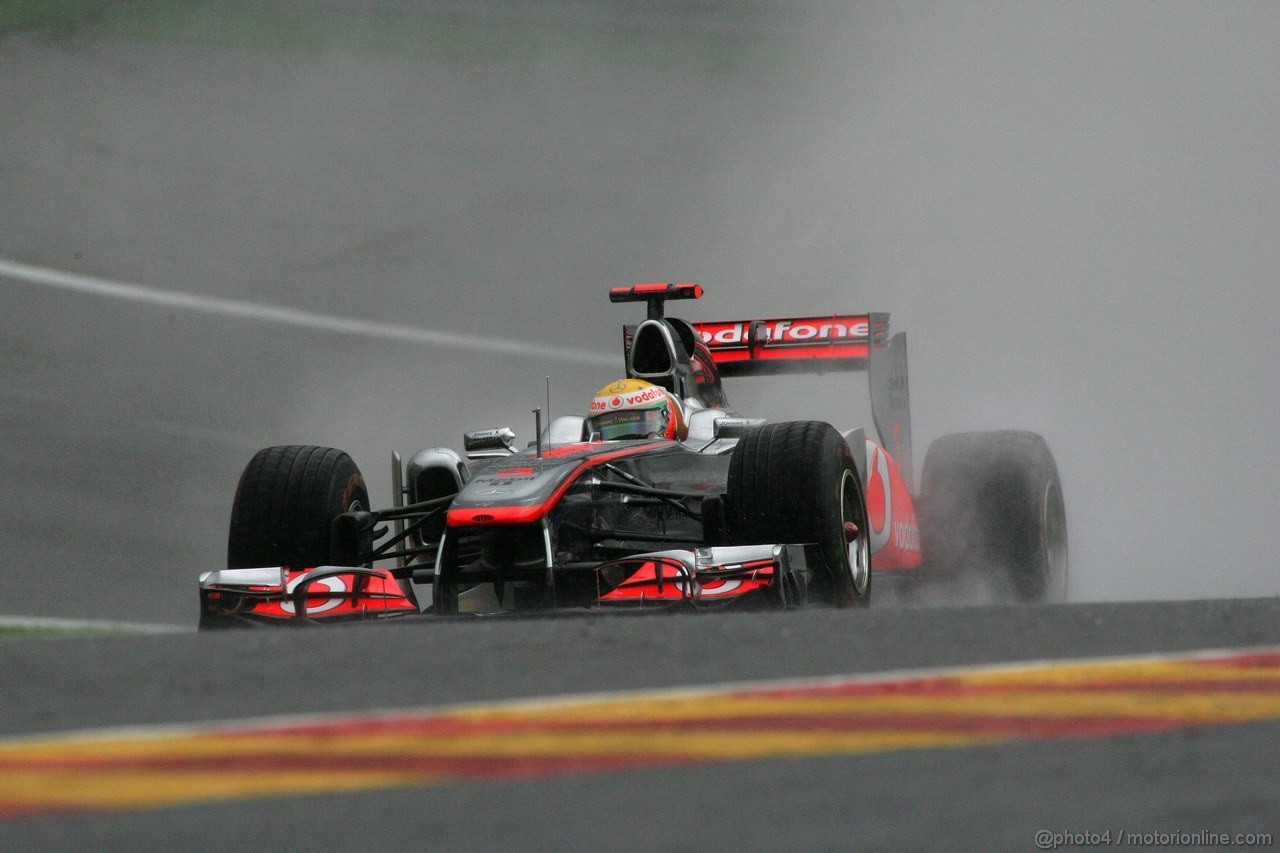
(735, 427)
(489, 443)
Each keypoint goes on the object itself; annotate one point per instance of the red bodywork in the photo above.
(665, 579)
(895, 531)
(336, 594)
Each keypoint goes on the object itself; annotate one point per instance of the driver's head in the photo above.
(633, 408)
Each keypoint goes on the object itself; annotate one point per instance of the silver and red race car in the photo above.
(723, 511)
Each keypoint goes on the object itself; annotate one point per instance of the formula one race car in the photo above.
(660, 496)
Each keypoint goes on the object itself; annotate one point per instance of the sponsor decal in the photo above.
(906, 536)
(333, 584)
(810, 330)
(879, 496)
(646, 396)
(894, 534)
(628, 398)
(717, 588)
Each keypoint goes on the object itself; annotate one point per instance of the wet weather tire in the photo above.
(796, 483)
(285, 505)
(992, 504)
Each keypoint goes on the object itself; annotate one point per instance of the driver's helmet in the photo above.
(633, 408)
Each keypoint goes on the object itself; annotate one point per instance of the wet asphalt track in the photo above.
(453, 193)
(995, 797)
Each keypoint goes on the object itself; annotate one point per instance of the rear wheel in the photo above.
(793, 483)
(285, 505)
(992, 506)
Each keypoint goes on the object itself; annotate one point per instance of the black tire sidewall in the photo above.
(285, 504)
(983, 501)
(784, 487)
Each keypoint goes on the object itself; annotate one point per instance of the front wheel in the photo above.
(285, 505)
(796, 483)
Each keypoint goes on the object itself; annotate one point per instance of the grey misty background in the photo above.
(1071, 208)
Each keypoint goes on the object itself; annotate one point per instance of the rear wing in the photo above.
(837, 342)
(672, 353)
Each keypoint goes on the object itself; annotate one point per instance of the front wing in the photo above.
(281, 595)
(766, 575)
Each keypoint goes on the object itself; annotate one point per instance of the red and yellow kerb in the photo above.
(170, 766)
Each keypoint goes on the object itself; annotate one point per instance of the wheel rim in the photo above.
(1053, 521)
(857, 552)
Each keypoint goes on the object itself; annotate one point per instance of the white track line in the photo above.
(87, 626)
(256, 312)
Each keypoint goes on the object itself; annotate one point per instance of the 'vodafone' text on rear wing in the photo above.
(745, 347)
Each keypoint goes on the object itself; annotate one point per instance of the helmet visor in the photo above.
(631, 423)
